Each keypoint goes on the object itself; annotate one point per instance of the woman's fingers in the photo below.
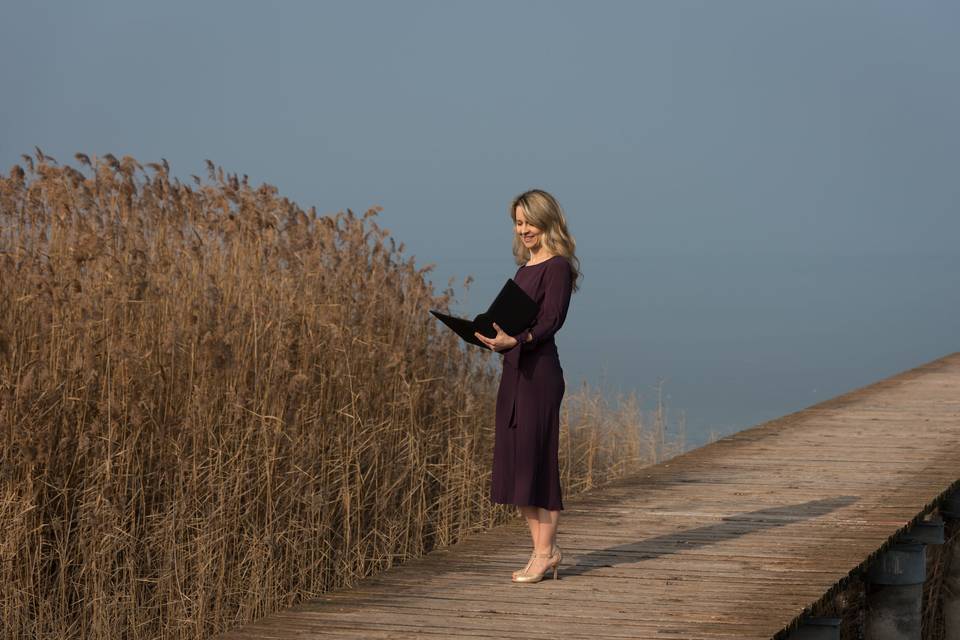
(487, 341)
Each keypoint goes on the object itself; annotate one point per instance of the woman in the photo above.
(526, 470)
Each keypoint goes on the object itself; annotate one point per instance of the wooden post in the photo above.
(817, 629)
(894, 586)
(951, 575)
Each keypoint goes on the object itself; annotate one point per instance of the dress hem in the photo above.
(517, 504)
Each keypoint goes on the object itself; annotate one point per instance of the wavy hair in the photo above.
(544, 212)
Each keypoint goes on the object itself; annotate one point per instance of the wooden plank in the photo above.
(732, 540)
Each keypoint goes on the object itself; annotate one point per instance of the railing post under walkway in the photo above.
(817, 629)
(894, 588)
(951, 575)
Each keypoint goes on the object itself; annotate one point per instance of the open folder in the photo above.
(513, 311)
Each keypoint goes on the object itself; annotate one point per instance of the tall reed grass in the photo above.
(215, 404)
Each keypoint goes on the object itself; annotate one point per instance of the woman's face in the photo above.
(529, 234)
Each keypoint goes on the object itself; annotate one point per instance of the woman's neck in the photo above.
(539, 257)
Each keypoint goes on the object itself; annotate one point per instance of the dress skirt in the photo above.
(526, 469)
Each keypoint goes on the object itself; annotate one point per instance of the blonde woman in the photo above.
(526, 470)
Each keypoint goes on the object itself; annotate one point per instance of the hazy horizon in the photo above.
(763, 195)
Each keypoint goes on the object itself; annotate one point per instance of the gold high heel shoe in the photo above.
(533, 554)
(523, 576)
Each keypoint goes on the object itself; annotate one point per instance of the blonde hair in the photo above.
(544, 212)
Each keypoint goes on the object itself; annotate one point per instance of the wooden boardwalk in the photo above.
(731, 540)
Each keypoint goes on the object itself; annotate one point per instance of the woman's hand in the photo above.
(499, 342)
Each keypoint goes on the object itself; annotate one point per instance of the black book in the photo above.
(513, 311)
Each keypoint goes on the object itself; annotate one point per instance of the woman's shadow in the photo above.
(729, 527)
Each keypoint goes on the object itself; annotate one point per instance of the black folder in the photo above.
(513, 311)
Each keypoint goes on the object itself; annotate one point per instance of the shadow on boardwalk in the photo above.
(730, 527)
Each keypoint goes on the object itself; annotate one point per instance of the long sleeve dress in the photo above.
(526, 468)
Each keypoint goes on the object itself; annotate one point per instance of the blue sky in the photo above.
(764, 194)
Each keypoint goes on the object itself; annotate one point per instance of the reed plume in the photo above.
(215, 404)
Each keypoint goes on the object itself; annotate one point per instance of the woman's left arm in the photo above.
(557, 286)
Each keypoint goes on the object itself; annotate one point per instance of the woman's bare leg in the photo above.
(548, 530)
(546, 538)
(533, 521)
(532, 514)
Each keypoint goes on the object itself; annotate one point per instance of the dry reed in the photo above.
(215, 404)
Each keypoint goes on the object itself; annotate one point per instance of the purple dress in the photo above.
(526, 469)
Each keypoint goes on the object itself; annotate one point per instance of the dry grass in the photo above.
(215, 404)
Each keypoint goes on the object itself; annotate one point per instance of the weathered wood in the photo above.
(735, 539)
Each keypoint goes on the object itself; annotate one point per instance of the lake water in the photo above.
(740, 339)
